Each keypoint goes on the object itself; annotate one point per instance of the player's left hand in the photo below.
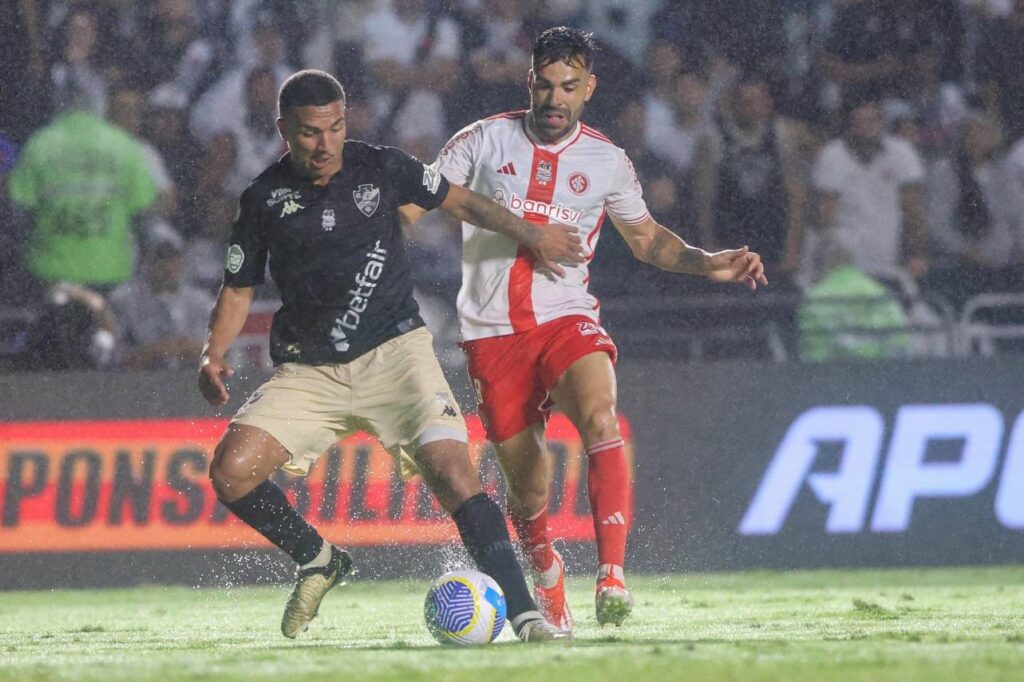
(737, 265)
(556, 246)
(213, 372)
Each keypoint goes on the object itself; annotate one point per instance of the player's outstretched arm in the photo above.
(554, 244)
(226, 320)
(656, 244)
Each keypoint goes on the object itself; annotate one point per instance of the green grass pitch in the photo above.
(929, 625)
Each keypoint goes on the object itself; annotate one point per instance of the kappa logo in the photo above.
(445, 399)
(290, 207)
(327, 220)
(431, 179)
(544, 172)
(367, 199)
(908, 473)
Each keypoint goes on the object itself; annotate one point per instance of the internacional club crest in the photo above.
(367, 199)
(579, 183)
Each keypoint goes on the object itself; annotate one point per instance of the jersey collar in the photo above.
(292, 174)
(558, 146)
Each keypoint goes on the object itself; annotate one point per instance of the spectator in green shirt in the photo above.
(83, 181)
(848, 314)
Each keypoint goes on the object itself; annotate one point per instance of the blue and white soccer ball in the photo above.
(465, 608)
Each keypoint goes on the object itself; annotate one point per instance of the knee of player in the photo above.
(530, 493)
(458, 473)
(600, 423)
(446, 461)
(228, 470)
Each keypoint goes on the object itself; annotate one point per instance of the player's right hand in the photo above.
(737, 265)
(558, 245)
(213, 370)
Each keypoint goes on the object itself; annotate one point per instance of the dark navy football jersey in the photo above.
(335, 252)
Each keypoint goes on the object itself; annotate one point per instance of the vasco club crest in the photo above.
(367, 199)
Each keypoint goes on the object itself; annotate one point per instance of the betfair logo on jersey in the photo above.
(359, 297)
(291, 206)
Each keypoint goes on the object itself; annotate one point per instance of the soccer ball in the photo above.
(465, 608)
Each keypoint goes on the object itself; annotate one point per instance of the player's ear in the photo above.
(530, 79)
(591, 86)
(281, 129)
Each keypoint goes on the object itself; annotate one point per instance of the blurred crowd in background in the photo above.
(868, 149)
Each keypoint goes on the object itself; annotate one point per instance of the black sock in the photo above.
(267, 510)
(483, 530)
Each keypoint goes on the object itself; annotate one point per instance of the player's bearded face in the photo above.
(315, 137)
(558, 94)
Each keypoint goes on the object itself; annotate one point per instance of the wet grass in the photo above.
(927, 625)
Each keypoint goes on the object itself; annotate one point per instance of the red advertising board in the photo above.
(142, 484)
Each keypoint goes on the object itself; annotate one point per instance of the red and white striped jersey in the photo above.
(574, 182)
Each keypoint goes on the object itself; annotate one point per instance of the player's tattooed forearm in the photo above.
(689, 260)
(668, 252)
(654, 252)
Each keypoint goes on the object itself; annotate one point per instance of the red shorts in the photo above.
(514, 374)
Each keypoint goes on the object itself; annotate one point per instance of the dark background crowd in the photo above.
(871, 150)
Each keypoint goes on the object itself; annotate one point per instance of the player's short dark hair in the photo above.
(564, 44)
(309, 88)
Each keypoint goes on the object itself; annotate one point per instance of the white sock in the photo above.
(321, 559)
(548, 578)
(518, 621)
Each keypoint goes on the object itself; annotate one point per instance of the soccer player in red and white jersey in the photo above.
(534, 340)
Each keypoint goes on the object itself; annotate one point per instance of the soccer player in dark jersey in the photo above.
(351, 351)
